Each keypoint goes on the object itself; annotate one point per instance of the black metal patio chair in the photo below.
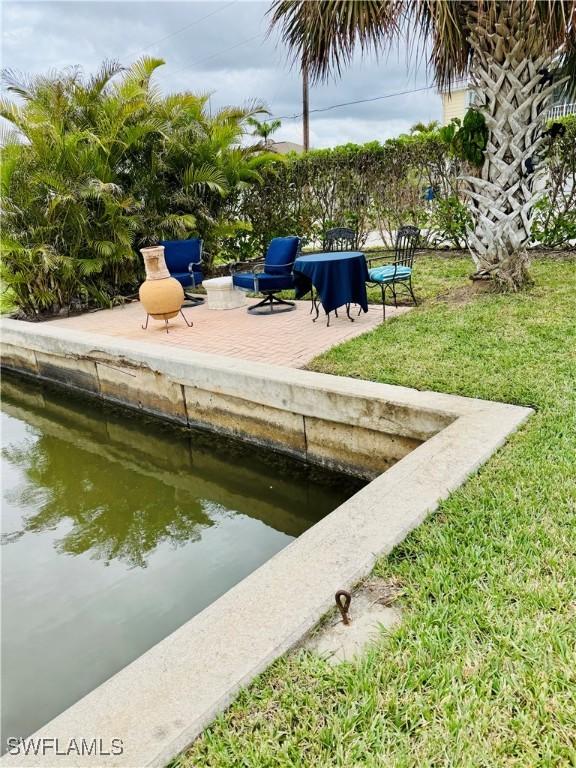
(340, 239)
(397, 274)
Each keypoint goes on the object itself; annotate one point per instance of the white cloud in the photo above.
(228, 53)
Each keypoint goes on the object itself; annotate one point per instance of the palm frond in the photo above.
(445, 27)
(138, 75)
(322, 36)
(98, 82)
(206, 176)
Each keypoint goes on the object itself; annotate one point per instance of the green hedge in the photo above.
(373, 186)
(380, 186)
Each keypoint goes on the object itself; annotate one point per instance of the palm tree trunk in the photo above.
(509, 93)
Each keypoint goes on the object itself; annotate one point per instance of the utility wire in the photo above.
(349, 103)
(178, 31)
(182, 29)
(280, 117)
(212, 56)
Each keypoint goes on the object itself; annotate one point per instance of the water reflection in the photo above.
(116, 507)
(117, 531)
(124, 492)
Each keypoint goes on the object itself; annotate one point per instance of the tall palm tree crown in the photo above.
(517, 55)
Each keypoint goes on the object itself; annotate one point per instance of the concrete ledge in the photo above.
(349, 425)
(158, 704)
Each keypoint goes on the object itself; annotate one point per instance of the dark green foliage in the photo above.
(382, 186)
(449, 221)
(372, 186)
(554, 222)
(94, 168)
(552, 227)
(467, 138)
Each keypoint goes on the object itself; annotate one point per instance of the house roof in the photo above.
(285, 147)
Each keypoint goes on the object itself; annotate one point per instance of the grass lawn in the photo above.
(482, 671)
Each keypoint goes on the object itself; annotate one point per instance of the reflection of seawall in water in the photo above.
(92, 451)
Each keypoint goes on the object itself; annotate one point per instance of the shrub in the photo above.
(449, 222)
(94, 168)
(554, 222)
(467, 138)
(373, 186)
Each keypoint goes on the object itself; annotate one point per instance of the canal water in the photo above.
(117, 529)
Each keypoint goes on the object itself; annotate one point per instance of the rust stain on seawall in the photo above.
(19, 359)
(144, 389)
(273, 427)
(353, 449)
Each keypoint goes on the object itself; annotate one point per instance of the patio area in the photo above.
(289, 339)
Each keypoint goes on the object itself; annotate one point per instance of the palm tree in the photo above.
(516, 53)
(264, 128)
(421, 127)
(94, 167)
(68, 221)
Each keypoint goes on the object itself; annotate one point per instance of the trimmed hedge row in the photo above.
(377, 187)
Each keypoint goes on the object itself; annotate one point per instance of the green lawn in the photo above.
(434, 275)
(482, 671)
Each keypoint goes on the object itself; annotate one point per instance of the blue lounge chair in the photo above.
(270, 276)
(398, 274)
(184, 259)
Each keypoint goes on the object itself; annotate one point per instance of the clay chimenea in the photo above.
(160, 294)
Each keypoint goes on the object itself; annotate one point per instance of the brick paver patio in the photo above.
(289, 339)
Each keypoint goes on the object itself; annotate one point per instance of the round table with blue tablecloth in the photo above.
(339, 279)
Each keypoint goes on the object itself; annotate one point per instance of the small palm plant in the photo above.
(421, 127)
(69, 219)
(264, 128)
(517, 54)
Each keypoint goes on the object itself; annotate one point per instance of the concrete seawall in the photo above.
(418, 447)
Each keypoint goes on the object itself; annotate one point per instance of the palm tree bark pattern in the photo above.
(506, 78)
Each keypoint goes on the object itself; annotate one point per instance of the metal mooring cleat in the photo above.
(343, 600)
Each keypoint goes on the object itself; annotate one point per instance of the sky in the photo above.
(219, 47)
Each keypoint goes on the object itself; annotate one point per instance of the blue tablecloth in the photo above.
(339, 278)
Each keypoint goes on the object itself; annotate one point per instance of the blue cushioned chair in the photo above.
(183, 259)
(398, 274)
(270, 276)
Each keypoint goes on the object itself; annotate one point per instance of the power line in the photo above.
(178, 31)
(356, 101)
(182, 29)
(212, 56)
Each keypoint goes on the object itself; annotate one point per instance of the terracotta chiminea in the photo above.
(161, 295)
